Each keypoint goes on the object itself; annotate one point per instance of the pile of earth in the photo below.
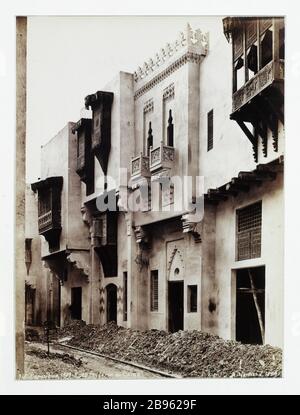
(65, 357)
(189, 353)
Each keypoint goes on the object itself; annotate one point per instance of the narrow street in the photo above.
(72, 364)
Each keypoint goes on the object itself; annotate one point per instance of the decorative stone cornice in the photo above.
(190, 38)
(169, 92)
(187, 57)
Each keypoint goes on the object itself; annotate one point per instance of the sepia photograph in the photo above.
(150, 197)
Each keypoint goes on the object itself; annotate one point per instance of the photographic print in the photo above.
(151, 193)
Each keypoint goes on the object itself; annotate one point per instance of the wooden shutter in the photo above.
(210, 130)
(154, 290)
(249, 221)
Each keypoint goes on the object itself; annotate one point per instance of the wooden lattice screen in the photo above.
(249, 220)
(154, 290)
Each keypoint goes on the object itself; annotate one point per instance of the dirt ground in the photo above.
(184, 353)
(69, 364)
(189, 353)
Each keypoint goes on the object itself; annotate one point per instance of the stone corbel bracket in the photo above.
(86, 216)
(143, 240)
(80, 261)
(141, 236)
(189, 225)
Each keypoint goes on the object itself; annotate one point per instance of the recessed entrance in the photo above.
(76, 303)
(175, 294)
(250, 305)
(111, 296)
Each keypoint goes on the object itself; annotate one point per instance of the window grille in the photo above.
(154, 290)
(249, 222)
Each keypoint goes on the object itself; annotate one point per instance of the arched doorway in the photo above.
(176, 291)
(111, 303)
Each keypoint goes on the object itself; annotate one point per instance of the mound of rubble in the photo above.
(34, 334)
(65, 357)
(187, 353)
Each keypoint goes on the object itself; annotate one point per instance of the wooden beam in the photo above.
(230, 190)
(210, 201)
(235, 189)
(216, 193)
(257, 307)
(238, 185)
(266, 175)
(246, 131)
(249, 177)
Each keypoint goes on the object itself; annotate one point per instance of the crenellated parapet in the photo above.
(190, 46)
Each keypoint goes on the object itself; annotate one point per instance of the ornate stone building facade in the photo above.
(207, 106)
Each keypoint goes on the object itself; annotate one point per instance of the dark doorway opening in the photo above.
(76, 303)
(175, 292)
(250, 305)
(111, 295)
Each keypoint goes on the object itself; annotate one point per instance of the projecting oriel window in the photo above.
(210, 130)
(154, 291)
(249, 221)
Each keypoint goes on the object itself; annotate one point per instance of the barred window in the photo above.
(249, 220)
(154, 291)
(210, 130)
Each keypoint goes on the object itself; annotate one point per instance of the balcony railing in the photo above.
(49, 221)
(140, 166)
(273, 71)
(45, 221)
(162, 157)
